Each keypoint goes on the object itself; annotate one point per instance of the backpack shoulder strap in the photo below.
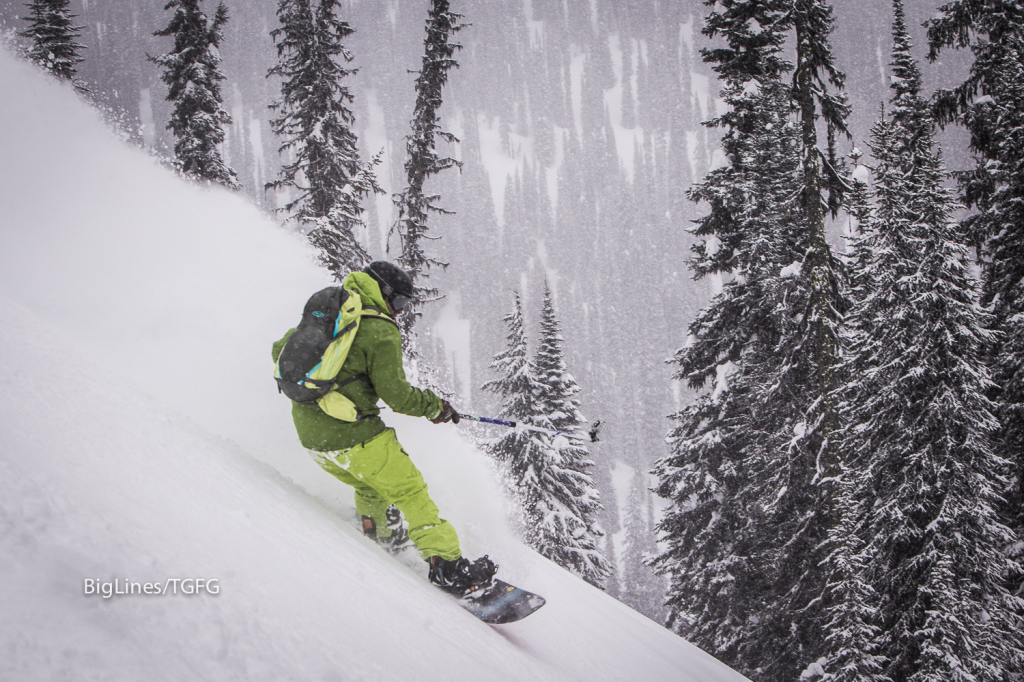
(374, 311)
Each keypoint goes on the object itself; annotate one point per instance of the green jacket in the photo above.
(377, 353)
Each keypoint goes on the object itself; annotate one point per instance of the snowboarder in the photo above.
(366, 454)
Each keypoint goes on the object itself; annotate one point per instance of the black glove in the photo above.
(447, 414)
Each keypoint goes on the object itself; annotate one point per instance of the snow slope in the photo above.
(142, 440)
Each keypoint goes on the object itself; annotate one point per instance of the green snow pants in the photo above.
(383, 474)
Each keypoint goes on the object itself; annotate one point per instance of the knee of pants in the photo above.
(379, 467)
(380, 470)
(369, 503)
(383, 465)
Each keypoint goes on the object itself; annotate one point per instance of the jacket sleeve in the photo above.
(388, 378)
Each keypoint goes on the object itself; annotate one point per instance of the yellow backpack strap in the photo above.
(352, 311)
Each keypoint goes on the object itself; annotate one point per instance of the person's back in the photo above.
(377, 348)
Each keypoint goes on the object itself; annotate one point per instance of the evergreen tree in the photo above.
(858, 206)
(54, 38)
(335, 234)
(792, 455)
(752, 231)
(851, 627)
(852, 619)
(423, 161)
(193, 84)
(753, 462)
(924, 486)
(313, 115)
(515, 449)
(515, 384)
(548, 474)
(990, 103)
(563, 521)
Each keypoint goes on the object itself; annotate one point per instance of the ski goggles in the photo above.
(400, 301)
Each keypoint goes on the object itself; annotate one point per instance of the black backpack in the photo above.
(303, 353)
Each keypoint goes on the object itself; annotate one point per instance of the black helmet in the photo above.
(395, 283)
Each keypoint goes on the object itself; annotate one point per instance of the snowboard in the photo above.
(501, 603)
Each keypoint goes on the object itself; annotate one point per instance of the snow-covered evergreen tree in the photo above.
(54, 38)
(990, 103)
(334, 234)
(858, 207)
(852, 620)
(851, 626)
(562, 521)
(752, 464)
(314, 120)
(548, 475)
(924, 489)
(414, 206)
(192, 75)
(515, 383)
(752, 231)
(514, 449)
(792, 456)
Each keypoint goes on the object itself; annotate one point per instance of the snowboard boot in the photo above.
(462, 576)
(399, 538)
